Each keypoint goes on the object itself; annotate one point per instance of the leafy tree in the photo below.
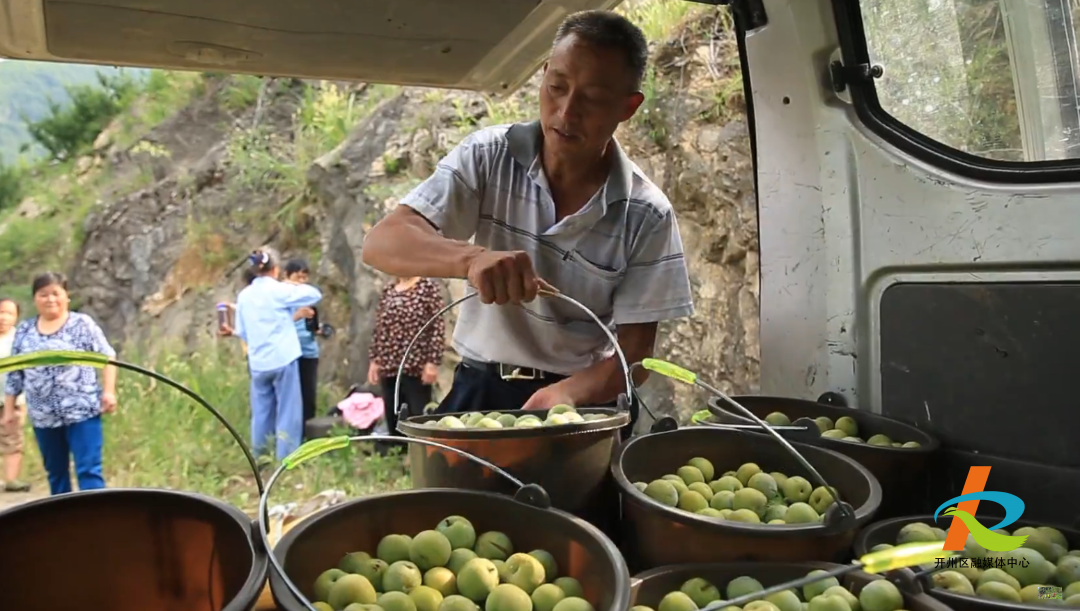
(69, 130)
(11, 187)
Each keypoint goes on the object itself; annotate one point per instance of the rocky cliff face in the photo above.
(155, 261)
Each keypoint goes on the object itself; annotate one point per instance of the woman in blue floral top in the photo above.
(64, 402)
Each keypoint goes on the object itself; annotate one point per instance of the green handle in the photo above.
(48, 358)
(903, 556)
(700, 416)
(313, 448)
(665, 368)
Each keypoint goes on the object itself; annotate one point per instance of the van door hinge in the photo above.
(861, 73)
(750, 12)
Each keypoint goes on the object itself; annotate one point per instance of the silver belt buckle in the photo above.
(515, 373)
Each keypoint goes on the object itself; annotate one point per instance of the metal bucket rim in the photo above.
(932, 442)
(260, 563)
(622, 573)
(618, 419)
(702, 567)
(945, 596)
(631, 494)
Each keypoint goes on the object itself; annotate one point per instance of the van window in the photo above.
(997, 79)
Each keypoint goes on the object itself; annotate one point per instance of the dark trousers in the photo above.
(82, 442)
(309, 385)
(414, 393)
(477, 390)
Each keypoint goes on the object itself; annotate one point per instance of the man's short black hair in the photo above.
(612, 30)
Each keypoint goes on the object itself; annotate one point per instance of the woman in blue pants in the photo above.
(264, 321)
(65, 402)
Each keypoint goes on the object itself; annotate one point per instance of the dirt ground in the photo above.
(11, 499)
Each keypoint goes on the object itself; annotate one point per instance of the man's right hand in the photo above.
(502, 277)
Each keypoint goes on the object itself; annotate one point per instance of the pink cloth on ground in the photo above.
(361, 410)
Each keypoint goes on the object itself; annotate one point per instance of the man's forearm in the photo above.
(404, 244)
(596, 385)
(602, 382)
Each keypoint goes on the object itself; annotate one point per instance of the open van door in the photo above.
(918, 165)
(484, 45)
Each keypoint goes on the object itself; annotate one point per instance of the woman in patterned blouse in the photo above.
(405, 305)
(64, 402)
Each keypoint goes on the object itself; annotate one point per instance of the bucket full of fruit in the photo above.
(566, 450)
(1044, 571)
(443, 550)
(129, 549)
(897, 453)
(692, 587)
(706, 494)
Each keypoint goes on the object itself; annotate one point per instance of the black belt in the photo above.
(511, 373)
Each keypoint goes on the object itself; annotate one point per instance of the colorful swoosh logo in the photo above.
(986, 537)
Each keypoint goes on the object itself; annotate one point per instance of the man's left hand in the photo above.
(548, 397)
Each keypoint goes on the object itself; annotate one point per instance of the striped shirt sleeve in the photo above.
(450, 198)
(656, 286)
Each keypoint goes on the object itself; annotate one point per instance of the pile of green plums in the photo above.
(448, 568)
(1043, 560)
(845, 429)
(747, 494)
(824, 595)
(560, 414)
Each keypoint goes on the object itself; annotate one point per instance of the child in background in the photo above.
(296, 272)
(12, 435)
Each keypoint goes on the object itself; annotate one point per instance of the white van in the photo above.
(917, 165)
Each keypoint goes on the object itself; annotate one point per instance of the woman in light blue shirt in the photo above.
(264, 321)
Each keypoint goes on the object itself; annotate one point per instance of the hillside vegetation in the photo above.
(28, 91)
(153, 214)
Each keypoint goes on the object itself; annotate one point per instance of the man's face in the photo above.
(298, 277)
(586, 92)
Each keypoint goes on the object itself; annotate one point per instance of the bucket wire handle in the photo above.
(48, 358)
(543, 292)
(529, 493)
(898, 557)
(689, 377)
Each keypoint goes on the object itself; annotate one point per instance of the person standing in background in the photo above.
(12, 436)
(264, 321)
(64, 402)
(405, 305)
(297, 272)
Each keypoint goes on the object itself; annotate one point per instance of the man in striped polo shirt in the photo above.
(552, 203)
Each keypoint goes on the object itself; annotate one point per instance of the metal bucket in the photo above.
(319, 543)
(901, 471)
(131, 549)
(571, 461)
(656, 535)
(886, 531)
(649, 588)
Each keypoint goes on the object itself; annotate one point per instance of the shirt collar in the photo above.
(525, 141)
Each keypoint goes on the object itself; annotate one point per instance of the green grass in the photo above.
(163, 95)
(658, 18)
(159, 438)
